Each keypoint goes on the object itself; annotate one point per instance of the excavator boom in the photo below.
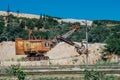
(80, 49)
(74, 28)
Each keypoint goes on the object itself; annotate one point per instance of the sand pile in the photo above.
(7, 51)
(62, 50)
(64, 53)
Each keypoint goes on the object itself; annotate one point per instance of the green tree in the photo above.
(98, 34)
(39, 23)
(13, 32)
(23, 24)
(17, 71)
(24, 34)
(113, 46)
(113, 41)
(30, 24)
(2, 27)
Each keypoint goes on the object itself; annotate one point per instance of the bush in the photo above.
(16, 70)
(96, 75)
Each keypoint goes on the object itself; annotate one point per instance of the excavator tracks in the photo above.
(37, 58)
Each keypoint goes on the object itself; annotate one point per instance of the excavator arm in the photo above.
(73, 29)
(79, 49)
(65, 36)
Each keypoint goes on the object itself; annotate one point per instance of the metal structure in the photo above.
(73, 29)
(86, 43)
(79, 49)
(35, 48)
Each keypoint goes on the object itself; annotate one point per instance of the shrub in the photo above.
(16, 70)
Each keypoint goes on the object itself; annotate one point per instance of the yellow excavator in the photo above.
(35, 48)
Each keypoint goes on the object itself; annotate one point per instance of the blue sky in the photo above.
(79, 9)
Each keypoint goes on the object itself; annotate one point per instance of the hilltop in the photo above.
(4, 13)
(31, 16)
(60, 20)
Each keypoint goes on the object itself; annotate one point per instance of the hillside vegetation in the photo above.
(47, 27)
